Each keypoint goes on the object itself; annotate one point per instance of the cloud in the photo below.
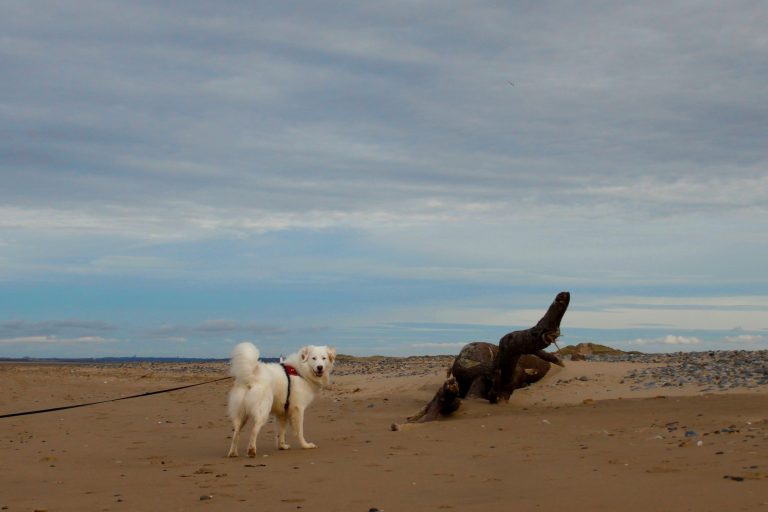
(217, 327)
(57, 332)
(733, 302)
(669, 339)
(451, 345)
(173, 339)
(21, 328)
(747, 339)
(380, 146)
(424, 123)
(55, 340)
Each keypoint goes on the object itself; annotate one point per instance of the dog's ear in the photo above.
(304, 353)
(332, 353)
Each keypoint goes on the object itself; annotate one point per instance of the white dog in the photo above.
(284, 390)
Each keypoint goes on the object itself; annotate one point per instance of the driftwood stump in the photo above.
(473, 369)
(529, 341)
(445, 403)
(493, 372)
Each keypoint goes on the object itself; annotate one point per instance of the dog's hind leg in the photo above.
(297, 423)
(282, 425)
(254, 434)
(237, 426)
(238, 414)
(260, 416)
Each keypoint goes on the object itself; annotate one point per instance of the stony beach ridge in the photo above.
(711, 370)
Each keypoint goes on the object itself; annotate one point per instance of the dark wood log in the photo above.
(528, 341)
(493, 372)
(473, 369)
(549, 356)
(445, 403)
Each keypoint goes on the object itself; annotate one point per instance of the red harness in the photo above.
(289, 370)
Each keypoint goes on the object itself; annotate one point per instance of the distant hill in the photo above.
(590, 349)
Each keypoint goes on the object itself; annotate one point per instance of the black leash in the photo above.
(148, 393)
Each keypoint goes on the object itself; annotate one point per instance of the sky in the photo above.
(393, 178)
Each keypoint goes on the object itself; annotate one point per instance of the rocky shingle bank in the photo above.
(711, 371)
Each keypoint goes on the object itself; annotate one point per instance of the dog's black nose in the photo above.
(320, 368)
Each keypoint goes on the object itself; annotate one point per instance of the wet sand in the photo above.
(587, 437)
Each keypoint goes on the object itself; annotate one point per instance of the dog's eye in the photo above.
(314, 359)
(324, 358)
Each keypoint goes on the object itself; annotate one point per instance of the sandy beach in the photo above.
(589, 436)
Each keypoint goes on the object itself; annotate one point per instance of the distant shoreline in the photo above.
(116, 360)
(619, 356)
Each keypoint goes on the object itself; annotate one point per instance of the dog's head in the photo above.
(319, 361)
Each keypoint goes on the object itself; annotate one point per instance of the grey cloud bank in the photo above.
(609, 149)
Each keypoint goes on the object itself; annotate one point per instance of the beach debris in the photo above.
(493, 372)
(445, 402)
(206, 497)
(473, 369)
(529, 341)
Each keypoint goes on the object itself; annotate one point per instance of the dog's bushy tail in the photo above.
(245, 361)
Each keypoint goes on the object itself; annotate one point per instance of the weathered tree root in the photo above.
(493, 372)
(444, 403)
(528, 341)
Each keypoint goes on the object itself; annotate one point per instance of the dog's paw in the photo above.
(309, 446)
(251, 452)
(284, 446)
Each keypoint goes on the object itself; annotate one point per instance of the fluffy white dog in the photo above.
(281, 389)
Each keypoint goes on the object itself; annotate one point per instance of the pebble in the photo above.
(710, 371)
(206, 497)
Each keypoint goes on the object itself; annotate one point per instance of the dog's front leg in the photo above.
(297, 423)
(282, 424)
